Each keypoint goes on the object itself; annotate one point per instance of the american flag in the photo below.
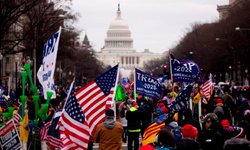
(208, 88)
(181, 100)
(18, 115)
(96, 96)
(53, 136)
(45, 128)
(74, 128)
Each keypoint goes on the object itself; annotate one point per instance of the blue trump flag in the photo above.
(180, 103)
(181, 100)
(147, 85)
(53, 135)
(2, 99)
(184, 70)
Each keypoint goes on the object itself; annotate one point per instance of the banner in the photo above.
(9, 137)
(2, 98)
(182, 100)
(46, 71)
(147, 85)
(184, 70)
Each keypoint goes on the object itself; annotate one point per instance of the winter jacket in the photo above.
(213, 138)
(187, 144)
(109, 135)
(134, 117)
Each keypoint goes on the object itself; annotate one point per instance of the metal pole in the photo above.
(60, 72)
(1, 67)
(1, 70)
(34, 55)
(16, 76)
(171, 73)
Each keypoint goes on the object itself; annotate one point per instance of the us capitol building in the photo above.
(118, 48)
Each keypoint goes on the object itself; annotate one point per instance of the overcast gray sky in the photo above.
(156, 25)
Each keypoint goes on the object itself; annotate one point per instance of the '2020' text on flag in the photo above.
(147, 85)
(46, 71)
(184, 70)
(95, 97)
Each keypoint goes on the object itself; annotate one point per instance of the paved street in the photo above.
(124, 146)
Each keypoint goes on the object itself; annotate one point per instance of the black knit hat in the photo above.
(109, 112)
(211, 117)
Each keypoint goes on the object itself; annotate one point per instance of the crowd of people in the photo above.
(224, 124)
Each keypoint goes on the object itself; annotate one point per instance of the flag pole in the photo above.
(135, 84)
(171, 73)
(113, 99)
(199, 112)
(70, 88)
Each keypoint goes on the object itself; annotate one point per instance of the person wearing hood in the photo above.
(109, 133)
(213, 133)
(174, 128)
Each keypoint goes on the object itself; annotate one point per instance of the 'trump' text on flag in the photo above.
(147, 85)
(46, 71)
(184, 70)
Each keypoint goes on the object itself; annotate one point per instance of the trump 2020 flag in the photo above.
(184, 70)
(46, 71)
(147, 85)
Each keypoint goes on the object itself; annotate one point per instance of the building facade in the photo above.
(224, 9)
(118, 48)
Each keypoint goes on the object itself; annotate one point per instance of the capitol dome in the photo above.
(118, 48)
(118, 23)
(118, 38)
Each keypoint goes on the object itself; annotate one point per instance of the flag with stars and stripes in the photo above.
(73, 126)
(181, 100)
(208, 87)
(53, 136)
(43, 132)
(97, 96)
(18, 115)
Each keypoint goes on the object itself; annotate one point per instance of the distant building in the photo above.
(224, 9)
(118, 48)
(10, 65)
